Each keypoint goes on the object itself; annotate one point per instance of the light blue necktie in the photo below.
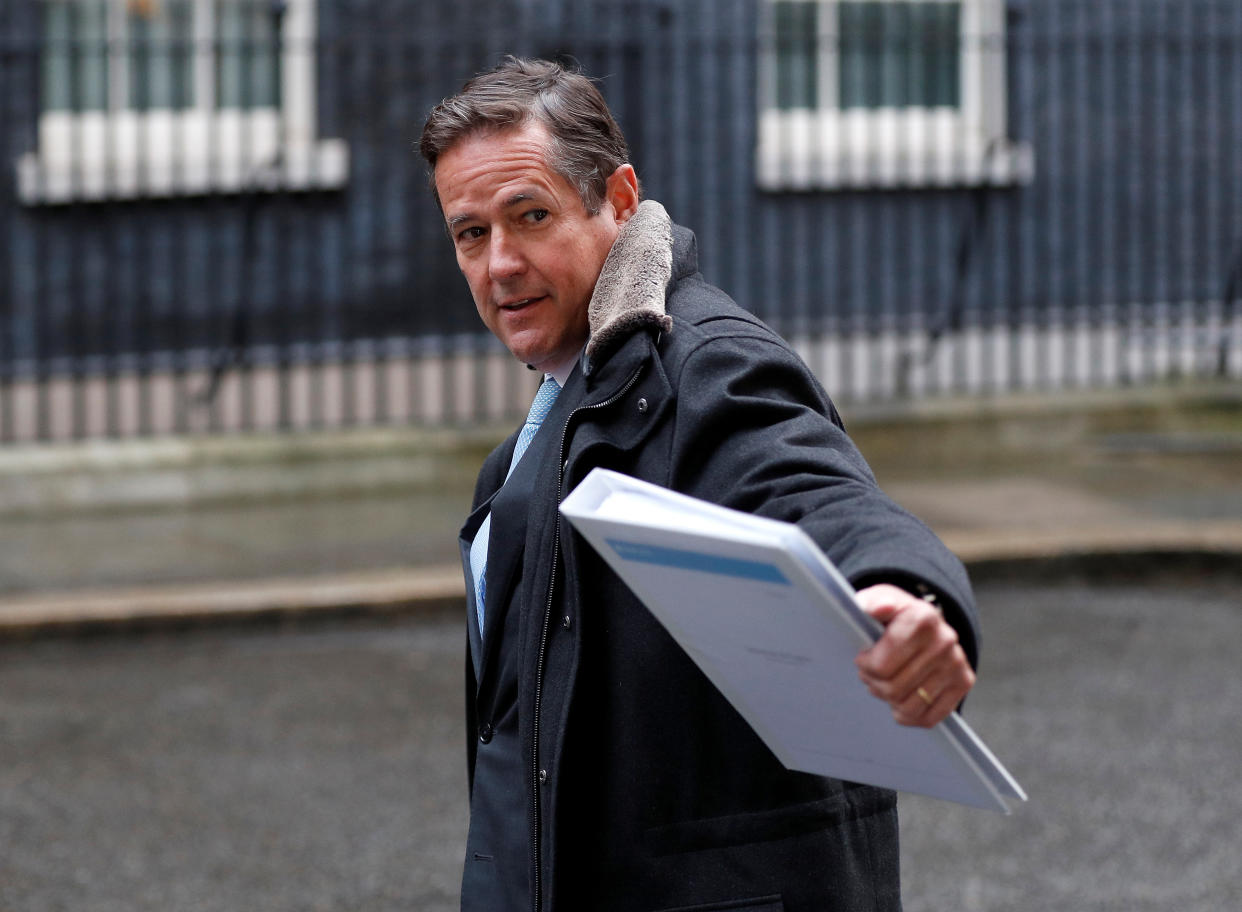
(539, 409)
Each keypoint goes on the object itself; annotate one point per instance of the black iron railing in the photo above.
(213, 219)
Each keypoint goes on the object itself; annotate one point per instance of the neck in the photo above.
(560, 372)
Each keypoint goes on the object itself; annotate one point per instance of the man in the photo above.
(605, 771)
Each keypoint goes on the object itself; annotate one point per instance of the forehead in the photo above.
(489, 165)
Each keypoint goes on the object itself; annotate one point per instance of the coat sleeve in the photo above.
(755, 431)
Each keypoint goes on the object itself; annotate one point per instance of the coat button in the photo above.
(485, 732)
(642, 405)
(543, 777)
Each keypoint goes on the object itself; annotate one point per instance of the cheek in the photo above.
(570, 270)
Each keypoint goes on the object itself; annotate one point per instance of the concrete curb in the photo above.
(136, 607)
(1202, 550)
(977, 469)
(1223, 537)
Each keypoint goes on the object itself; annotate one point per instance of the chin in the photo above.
(539, 365)
(530, 355)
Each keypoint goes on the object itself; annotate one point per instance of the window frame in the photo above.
(125, 153)
(827, 147)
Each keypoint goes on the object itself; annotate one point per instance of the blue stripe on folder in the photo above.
(697, 560)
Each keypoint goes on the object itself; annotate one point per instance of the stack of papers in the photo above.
(768, 618)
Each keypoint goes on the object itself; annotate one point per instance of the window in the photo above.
(177, 97)
(884, 93)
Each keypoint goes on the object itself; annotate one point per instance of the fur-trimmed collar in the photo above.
(629, 293)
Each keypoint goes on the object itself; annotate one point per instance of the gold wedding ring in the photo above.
(925, 696)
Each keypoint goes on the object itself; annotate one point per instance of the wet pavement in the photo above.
(1115, 706)
(318, 766)
(311, 759)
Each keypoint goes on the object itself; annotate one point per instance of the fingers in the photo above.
(927, 689)
(934, 698)
(932, 666)
(917, 666)
(913, 628)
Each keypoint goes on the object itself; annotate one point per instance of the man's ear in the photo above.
(621, 190)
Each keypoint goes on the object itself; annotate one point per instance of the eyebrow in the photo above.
(517, 199)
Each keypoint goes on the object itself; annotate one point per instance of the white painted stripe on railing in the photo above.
(398, 387)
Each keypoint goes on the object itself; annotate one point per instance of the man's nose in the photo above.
(505, 259)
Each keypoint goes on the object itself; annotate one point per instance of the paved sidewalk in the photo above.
(320, 767)
(1004, 485)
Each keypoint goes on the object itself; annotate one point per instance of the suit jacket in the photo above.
(646, 790)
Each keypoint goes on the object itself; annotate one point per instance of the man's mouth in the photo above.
(519, 303)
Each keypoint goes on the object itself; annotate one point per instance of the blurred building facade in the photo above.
(213, 217)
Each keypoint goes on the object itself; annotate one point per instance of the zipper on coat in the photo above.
(547, 620)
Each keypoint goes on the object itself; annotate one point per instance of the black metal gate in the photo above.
(213, 218)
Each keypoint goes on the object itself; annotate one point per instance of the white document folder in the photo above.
(768, 618)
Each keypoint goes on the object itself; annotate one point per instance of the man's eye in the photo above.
(470, 234)
(537, 215)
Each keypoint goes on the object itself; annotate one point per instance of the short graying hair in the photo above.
(585, 147)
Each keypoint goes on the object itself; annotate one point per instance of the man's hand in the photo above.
(917, 666)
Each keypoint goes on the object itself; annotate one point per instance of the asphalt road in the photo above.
(319, 767)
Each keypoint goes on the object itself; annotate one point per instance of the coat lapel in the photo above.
(510, 507)
(507, 546)
(464, 539)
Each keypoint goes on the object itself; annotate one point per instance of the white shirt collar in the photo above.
(560, 373)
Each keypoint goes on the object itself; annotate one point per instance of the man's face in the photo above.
(528, 248)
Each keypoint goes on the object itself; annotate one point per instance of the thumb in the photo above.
(883, 602)
(884, 612)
